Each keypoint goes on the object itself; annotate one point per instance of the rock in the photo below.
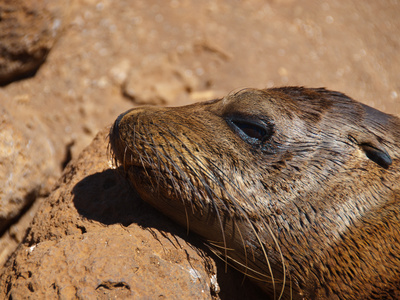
(15, 234)
(27, 165)
(28, 30)
(158, 81)
(93, 238)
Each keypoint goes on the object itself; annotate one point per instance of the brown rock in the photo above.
(15, 234)
(93, 238)
(159, 80)
(28, 30)
(26, 165)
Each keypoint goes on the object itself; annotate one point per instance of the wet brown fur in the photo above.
(312, 211)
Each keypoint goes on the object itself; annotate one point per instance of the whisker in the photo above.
(212, 175)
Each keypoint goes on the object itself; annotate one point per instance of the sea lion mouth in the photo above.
(149, 179)
(155, 176)
(157, 180)
(140, 167)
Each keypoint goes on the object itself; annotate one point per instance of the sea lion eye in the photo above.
(253, 132)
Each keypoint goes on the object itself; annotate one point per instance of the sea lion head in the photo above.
(267, 177)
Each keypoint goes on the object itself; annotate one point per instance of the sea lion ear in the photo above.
(374, 150)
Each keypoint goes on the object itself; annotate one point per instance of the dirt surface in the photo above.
(107, 56)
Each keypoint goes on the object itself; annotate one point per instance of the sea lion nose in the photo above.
(115, 129)
(117, 146)
(118, 120)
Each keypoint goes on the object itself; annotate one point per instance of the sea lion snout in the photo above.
(119, 130)
(117, 144)
(120, 117)
(118, 120)
(115, 127)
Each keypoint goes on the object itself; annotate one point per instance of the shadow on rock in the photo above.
(109, 198)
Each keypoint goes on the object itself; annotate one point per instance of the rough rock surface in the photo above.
(94, 238)
(159, 81)
(26, 158)
(28, 30)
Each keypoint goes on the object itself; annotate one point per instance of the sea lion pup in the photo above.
(298, 188)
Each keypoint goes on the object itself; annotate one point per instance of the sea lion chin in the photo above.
(297, 188)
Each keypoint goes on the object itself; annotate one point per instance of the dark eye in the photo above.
(251, 131)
